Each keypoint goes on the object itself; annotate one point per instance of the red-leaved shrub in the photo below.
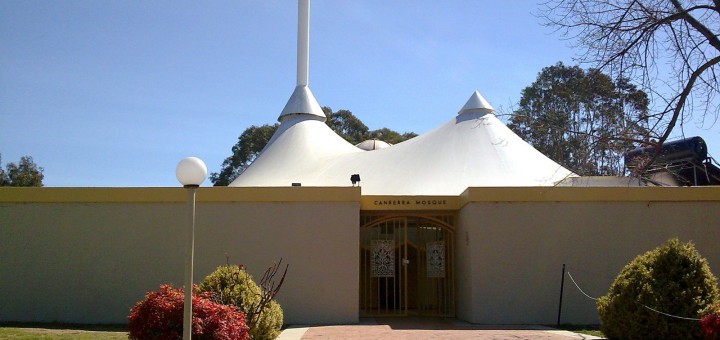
(710, 325)
(160, 316)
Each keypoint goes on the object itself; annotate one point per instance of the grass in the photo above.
(56, 331)
(583, 329)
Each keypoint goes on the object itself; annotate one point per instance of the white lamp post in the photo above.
(191, 172)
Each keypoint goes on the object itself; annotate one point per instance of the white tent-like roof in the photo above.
(474, 149)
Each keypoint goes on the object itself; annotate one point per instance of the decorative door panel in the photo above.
(407, 265)
(383, 271)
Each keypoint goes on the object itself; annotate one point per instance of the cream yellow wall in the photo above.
(87, 255)
(319, 240)
(510, 252)
(85, 263)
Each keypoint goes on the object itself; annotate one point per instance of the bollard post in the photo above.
(562, 285)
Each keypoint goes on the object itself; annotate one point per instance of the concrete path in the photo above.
(425, 328)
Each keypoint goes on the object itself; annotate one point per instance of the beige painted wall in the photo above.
(90, 260)
(510, 254)
(314, 238)
(87, 255)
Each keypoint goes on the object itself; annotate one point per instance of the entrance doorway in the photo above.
(407, 265)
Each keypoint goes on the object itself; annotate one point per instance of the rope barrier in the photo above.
(650, 308)
(670, 315)
(578, 287)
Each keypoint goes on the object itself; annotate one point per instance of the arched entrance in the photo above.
(407, 264)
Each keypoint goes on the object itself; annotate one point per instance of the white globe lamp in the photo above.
(191, 171)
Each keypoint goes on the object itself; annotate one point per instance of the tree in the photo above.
(2, 173)
(24, 174)
(345, 124)
(390, 136)
(582, 119)
(250, 143)
(637, 39)
(253, 140)
(349, 127)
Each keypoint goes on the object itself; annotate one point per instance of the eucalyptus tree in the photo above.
(23, 174)
(582, 119)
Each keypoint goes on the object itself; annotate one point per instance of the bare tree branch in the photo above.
(671, 48)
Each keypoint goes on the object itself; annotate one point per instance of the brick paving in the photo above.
(427, 328)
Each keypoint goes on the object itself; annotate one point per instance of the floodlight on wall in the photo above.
(191, 172)
(355, 179)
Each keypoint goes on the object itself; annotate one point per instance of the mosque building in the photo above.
(466, 220)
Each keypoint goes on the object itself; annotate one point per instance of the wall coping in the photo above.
(353, 194)
(541, 194)
(179, 195)
(592, 194)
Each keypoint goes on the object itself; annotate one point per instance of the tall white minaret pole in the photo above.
(302, 102)
(303, 43)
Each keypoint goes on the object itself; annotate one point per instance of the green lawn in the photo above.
(589, 330)
(61, 332)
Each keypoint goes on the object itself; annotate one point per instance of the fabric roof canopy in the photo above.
(474, 149)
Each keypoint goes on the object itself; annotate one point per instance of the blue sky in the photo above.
(115, 93)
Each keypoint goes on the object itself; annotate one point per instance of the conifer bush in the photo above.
(160, 316)
(672, 279)
(232, 285)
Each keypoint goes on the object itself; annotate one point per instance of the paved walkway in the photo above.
(425, 328)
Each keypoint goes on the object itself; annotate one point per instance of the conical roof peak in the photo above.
(302, 102)
(476, 103)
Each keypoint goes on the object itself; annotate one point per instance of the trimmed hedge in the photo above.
(673, 279)
(232, 285)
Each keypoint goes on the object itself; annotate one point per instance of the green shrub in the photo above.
(232, 285)
(673, 279)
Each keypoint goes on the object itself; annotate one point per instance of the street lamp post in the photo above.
(191, 172)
